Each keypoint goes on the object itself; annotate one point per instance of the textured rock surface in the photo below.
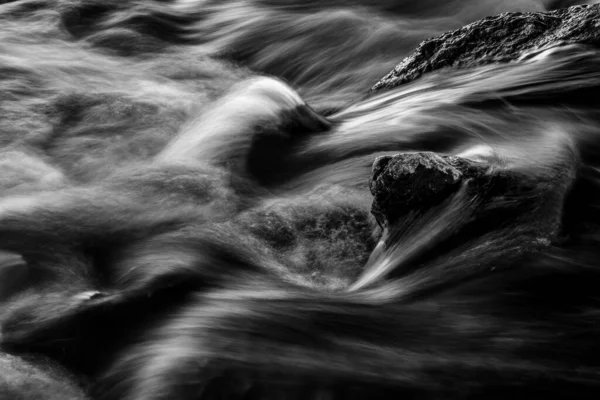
(500, 38)
(527, 206)
(418, 181)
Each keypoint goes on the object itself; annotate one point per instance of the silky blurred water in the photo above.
(90, 87)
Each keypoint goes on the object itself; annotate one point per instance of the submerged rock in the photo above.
(501, 38)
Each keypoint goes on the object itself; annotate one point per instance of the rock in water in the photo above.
(525, 204)
(501, 38)
(411, 181)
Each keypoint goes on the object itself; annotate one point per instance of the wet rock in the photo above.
(525, 207)
(412, 181)
(416, 182)
(501, 38)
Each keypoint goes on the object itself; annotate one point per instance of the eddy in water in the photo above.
(437, 241)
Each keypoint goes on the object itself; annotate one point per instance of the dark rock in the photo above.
(412, 181)
(497, 39)
(524, 206)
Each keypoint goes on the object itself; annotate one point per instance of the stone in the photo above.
(525, 206)
(410, 181)
(498, 39)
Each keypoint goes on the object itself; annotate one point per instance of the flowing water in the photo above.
(248, 123)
